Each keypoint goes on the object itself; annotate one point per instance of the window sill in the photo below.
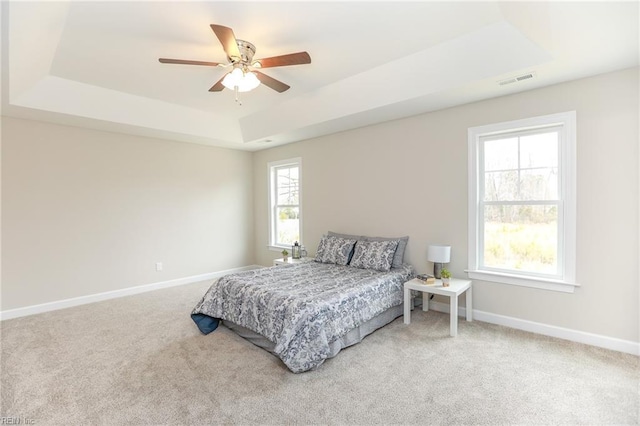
(532, 282)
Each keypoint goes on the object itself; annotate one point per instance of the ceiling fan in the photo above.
(244, 76)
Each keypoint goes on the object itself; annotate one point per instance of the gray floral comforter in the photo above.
(302, 308)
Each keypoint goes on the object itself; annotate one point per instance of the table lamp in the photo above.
(438, 255)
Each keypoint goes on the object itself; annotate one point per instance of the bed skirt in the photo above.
(351, 338)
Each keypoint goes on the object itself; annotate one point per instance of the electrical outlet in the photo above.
(159, 266)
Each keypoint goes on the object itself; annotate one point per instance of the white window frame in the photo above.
(272, 198)
(566, 281)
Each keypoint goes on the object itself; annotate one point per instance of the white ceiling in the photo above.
(95, 64)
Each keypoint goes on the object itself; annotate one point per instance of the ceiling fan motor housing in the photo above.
(247, 50)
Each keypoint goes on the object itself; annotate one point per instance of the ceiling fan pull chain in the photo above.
(237, 98)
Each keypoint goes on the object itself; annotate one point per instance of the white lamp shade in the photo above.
(250, 82)
(244, 81)
(439, 254)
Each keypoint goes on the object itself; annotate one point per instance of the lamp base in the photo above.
(437, 270)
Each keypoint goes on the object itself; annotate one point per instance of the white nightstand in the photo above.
(291, 261)
(455, 289)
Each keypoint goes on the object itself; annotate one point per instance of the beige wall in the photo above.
(409, 177)
(87, 211)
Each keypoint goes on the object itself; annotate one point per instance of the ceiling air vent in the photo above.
(516, 79)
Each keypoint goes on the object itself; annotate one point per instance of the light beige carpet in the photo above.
(141, 360)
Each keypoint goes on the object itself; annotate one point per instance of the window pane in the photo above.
(521, 168)
(540, 150)
(528, 185)
(501, 154)
(539, 184)
(287, 225)
(521, 238)
(501, 186)
(287, 184)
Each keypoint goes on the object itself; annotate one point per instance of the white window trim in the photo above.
(270, 178)
(568, 189)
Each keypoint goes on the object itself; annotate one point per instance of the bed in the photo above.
(306, 313)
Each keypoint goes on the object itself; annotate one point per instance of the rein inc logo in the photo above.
(7, 420)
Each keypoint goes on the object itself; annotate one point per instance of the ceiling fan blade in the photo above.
(187, 62)
(271, 82)
(218, 87)
(285, 60)
(228, 41)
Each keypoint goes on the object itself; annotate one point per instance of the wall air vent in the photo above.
(516, 79)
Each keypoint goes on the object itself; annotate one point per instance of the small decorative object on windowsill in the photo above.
(285, 255)
(446, 276)
(295, 250)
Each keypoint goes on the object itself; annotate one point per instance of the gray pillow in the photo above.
(376, 255)
(346, 236)
(334, 250)
(398, 256)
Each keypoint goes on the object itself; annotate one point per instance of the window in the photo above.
(522, 204)
(284, 203)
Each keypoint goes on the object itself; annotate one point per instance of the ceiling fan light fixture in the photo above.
(240, 57)
(244, 81)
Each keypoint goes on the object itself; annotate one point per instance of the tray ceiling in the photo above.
(95, 64)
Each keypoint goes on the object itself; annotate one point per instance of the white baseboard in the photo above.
(598, 340)
(606, 342)
(83, 300)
